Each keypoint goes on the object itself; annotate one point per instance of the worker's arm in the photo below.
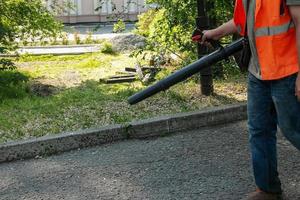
(295, 13)
(226, 29)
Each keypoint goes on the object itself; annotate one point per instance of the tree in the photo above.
(23, 19)
(174, 21)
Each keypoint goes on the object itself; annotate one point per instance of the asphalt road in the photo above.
(207, 164)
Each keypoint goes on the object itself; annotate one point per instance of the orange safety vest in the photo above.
(275, 37)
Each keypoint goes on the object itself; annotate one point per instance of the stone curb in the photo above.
(155, 127)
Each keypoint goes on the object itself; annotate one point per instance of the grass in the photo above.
(81, 101)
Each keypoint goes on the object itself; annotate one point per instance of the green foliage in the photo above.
(220, 10)
(107, 48)
(175, 36)
(11, 78)
(231, 69)
(77, 38)
(64, 38)
(53, 41)
(171, 28)
(185, 11)
(144, 21)
(119, 27)
(23, 20)
(12, 84)
(6, 64)
(44, 42)
(89, 38)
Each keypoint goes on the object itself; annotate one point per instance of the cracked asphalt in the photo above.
(209, 164)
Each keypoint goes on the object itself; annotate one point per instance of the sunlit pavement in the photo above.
(96, 31)
(82, 31)
(59, 50)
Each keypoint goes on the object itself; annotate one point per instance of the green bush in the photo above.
(119, 27)
(25, 21)
(89, 38)
(12, 84)
(172, 28)
(176, 37)
(8, 78)
(144, 22)
(64, 38)
(107, 48)
(53, 41)
(6, 64)
(77, 39)
(162, 35)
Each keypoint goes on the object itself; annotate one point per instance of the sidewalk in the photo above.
(98, 33)
(96, 29)
(204, 164)
(60, 50)
(68, 49)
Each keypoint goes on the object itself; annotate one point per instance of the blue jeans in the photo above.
(271, 103)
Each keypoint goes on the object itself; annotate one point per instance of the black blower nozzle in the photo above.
(186, 72)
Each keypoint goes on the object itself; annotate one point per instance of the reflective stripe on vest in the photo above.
(274, 30)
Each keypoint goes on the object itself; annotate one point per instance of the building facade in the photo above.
(87, 11)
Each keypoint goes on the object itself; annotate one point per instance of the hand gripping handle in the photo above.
(197, 35)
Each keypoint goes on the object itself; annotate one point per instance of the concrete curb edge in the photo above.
(61, 46)
(155, 127)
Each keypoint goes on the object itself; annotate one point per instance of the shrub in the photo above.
(77, 38)
(144, 22)
(64, 38)
(12, 84)
(89, 38)
(171, 28)
(119, 27)
(107, 48)
(53, 41)
(44, 42)
(6, 64)
(23, 20)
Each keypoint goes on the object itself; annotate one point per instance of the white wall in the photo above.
(76, 7)
(84, 10)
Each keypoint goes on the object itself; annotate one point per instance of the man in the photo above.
(273, 28)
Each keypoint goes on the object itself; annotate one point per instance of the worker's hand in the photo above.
(207, 38)
(197, 35)
(209, 35)
(202, 36)
(297, 87)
